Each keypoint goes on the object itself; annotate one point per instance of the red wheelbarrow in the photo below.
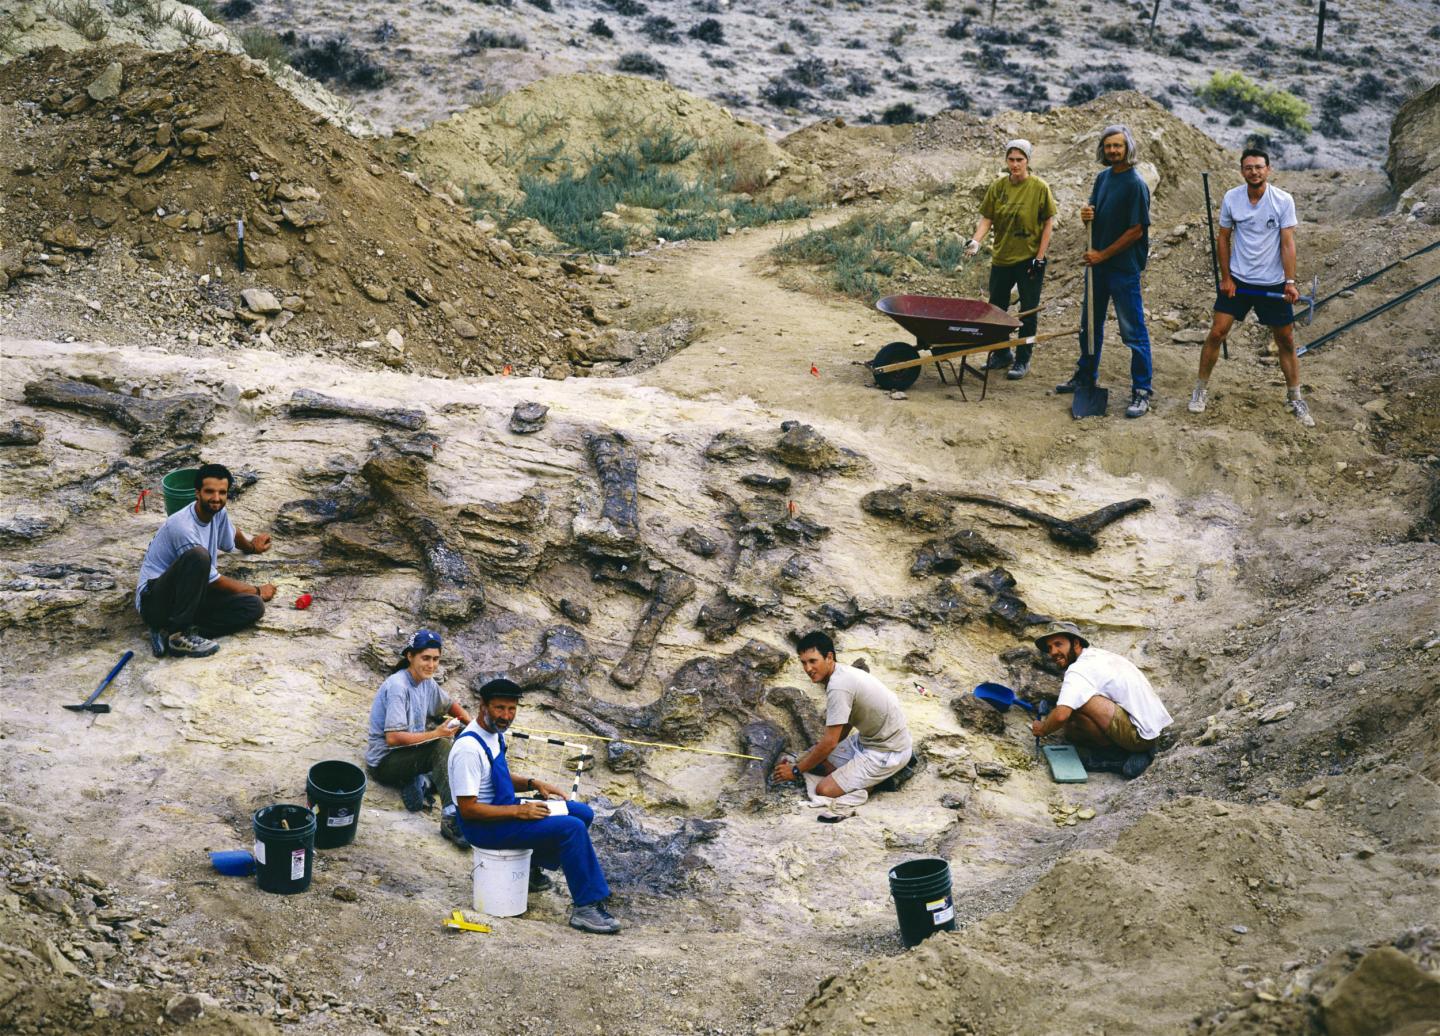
(947, 332)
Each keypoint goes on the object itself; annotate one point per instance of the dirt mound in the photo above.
(964, 150)
(563, 121)
(76, 956)
(1413, 164)
(1193, 880)
(159, 25)
(130, 161)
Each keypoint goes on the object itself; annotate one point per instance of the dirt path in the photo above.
(797, 353)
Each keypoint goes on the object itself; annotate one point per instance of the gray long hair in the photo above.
(1110, 131)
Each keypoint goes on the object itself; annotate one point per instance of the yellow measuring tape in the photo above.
(647, 744)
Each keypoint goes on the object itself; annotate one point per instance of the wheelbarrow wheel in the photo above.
(895, 352)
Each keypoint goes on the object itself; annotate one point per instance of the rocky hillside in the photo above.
(134, 168)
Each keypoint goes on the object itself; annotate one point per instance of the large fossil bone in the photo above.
(308, 403)
(151, 421)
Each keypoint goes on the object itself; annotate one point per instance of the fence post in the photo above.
(1319, 29)
(1154, 13)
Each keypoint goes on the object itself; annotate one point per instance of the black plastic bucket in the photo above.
(921, 889)
(284, 855)
(334, 790)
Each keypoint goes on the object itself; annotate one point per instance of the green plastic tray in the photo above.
(1065, 764)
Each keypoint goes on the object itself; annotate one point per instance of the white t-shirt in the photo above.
(469, 769)
(1102, 672)
(1255, 233)
(181, 531)
(854, 696)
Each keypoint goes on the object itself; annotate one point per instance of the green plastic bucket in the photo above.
(179, 488)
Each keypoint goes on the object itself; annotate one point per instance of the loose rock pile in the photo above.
(129, 163)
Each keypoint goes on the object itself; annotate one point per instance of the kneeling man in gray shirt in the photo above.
(866, 739)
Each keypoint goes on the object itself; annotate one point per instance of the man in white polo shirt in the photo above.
(1256, 252)
(1105, 701)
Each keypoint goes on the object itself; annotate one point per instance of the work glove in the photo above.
(1036, 269)
(972, 247)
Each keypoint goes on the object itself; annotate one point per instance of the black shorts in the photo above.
(1270, 312)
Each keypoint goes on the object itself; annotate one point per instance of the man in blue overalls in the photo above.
(491, 817)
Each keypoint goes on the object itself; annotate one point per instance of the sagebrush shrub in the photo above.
(638, 63)
(708, 31)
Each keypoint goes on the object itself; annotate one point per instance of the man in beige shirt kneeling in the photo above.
(866, 739)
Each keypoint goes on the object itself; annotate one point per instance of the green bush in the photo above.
(865, 251)
(640, 173)
(264, 45)
(84, 17)
(665, 148)
(1237, 93)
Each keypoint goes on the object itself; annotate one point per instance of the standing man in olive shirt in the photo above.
(1022, 210)
(866, 738)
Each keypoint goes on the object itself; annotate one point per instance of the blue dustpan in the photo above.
(1002, 697)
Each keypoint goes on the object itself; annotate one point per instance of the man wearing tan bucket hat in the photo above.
(1105, 703)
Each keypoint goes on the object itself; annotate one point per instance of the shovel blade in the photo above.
(1089, 401)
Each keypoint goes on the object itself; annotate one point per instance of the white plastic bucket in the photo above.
(502, 881)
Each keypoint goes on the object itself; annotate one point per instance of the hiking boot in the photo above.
(540, 881)
(1136, 764)
(1075, 383)
(900, 776)
(157, 639)
(1301, 412)
(999, 359)
(1102, 760)
(450, 830)
(190, 645)
(593, 918)
(1017, 370)
(1198, 399)
(413, 793)
(1139, 404)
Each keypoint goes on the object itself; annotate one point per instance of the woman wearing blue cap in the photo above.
(409, 745)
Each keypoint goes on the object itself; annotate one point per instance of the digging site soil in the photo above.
(686, 466)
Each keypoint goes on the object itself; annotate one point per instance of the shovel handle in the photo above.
(1087, 339)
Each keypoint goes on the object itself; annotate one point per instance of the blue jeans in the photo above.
(562, 842)
(1124, 290)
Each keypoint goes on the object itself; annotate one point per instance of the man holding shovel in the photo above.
(1118, 223)
(1256, 253)
(1021, 208)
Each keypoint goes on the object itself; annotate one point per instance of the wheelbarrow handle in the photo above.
(927, 356)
